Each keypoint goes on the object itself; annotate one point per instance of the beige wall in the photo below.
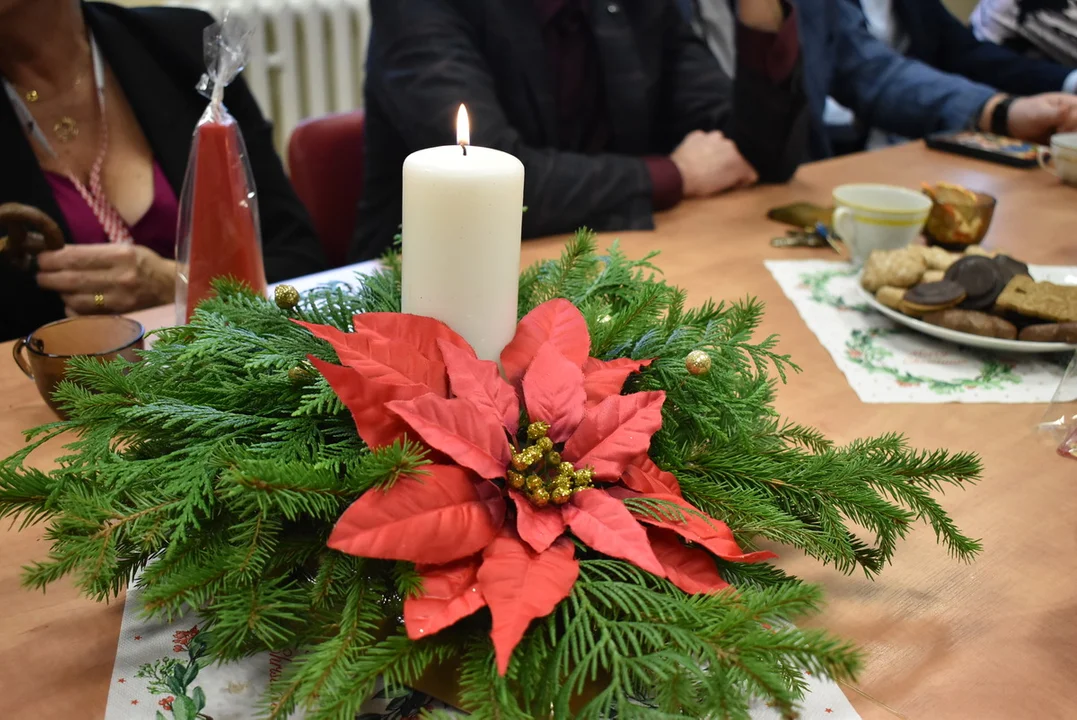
(960, 8)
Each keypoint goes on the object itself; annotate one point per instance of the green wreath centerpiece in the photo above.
(581, 530)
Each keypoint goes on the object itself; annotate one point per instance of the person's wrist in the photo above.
(988, 110)
(763, 15)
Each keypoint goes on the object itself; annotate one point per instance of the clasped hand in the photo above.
(107, 278)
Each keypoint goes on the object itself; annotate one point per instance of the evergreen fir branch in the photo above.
(483, 692)
(329, 669)
(213, 474)
(25, 494)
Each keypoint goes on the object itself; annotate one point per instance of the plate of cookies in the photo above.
(977, 298)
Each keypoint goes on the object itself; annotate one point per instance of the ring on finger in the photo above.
(99, 301)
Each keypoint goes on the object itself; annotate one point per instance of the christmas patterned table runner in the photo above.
(887, 363)
(162, 673)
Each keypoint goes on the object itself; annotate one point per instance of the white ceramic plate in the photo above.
(979, 341)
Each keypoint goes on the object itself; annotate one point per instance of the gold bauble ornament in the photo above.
(698, 362)
(299, 374)
(286, 297)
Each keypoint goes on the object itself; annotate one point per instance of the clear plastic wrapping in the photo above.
(1059, 423)
(218, 234)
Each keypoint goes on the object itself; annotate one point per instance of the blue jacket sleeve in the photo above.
(897, 94)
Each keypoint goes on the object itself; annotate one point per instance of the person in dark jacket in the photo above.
(939, 39)
(614, 107)
(845, 58)
(97, 113)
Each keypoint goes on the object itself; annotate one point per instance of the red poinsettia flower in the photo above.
(486, 524)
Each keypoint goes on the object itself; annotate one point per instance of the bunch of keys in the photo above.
(812, 236)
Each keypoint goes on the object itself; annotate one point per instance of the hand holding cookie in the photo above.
(26, 231)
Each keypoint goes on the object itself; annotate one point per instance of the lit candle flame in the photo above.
(463, 128)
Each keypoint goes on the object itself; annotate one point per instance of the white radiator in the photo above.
(307, 56)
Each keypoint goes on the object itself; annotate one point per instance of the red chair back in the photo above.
(326, 158)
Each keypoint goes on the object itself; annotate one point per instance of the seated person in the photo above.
(117, 164)
(904, 95)
(615, 109)
(1042, 28)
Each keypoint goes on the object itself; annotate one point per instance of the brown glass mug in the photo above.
(43, 354)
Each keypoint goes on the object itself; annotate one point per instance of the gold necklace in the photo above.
(66, 128)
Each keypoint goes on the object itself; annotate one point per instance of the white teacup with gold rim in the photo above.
(1061, 159)
(877, 217)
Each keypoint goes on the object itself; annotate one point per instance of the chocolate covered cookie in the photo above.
(982, 279)
(929, 297)
(972, 322)
(1050, 332)
(1010, 268)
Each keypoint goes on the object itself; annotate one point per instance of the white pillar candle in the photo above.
(462, 218)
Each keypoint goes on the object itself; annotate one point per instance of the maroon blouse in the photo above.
(156, 229)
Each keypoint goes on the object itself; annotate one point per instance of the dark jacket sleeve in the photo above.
(959, 52)
(427, 63)
(769, 121)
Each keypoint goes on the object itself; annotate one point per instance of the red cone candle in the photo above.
(223, 224)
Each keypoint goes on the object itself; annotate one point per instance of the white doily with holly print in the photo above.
(887, 363)
(163, 673)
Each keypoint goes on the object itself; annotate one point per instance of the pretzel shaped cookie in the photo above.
(24, 232)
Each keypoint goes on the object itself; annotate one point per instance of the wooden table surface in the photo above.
(995, 639)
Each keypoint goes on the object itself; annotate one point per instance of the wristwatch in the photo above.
(1000, 116)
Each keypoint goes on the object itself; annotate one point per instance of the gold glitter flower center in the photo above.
(539, 471)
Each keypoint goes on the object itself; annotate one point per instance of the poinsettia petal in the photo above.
(615, 432)
(480, 382)
(444, 515)
(381, 360)
(556, 321)
(538, 527)
(697, 527)
(642, 475)
(520, 585)
(553, 392)
(604, 524)
(603, 378)
(421, 333)
(690, 569)
(366, 400)
(450, 592)
(471, 437)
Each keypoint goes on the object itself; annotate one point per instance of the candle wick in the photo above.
(463, 146)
